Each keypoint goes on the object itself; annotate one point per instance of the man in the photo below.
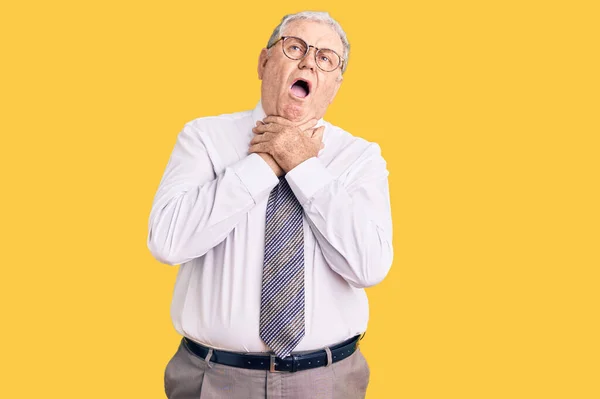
(279, 221)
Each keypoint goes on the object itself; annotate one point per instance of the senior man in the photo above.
(279, 220)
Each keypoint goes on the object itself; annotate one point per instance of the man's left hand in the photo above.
(287, 143)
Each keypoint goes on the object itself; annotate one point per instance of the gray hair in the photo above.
(318, 16)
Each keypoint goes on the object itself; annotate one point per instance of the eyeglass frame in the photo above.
(308, 46)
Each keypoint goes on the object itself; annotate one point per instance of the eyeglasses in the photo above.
(296, 49)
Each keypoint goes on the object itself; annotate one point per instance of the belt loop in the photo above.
(360, 338)
(207, 358)
(329, 360)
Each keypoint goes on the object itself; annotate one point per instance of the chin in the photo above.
(295, 112)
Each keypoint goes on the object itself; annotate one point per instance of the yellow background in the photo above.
(487, 113)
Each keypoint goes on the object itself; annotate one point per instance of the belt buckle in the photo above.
(272, 365)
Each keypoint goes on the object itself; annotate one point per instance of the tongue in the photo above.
(299, 91)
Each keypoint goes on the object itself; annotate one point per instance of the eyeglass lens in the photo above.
(296, 48)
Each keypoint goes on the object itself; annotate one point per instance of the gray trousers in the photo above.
(188, 376)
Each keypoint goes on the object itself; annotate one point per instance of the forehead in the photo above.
(318, 34)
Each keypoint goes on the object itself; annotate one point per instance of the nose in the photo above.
(309, 59)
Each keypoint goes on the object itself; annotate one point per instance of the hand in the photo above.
(271, 162)
(287, 143)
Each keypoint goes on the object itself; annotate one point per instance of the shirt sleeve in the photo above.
(194, 209)
(351, 220)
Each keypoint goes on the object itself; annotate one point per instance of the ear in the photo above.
(262, 62)
(338, 83)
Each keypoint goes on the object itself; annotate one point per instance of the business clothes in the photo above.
(190, 377)
(209, 216)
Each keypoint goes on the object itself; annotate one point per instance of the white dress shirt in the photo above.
(208, 215)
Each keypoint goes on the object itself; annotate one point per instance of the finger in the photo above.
(317, 133)
(260, 147)
(278, 119)
(269, 127)
(308, 124)
(285, 122)
(261, 138)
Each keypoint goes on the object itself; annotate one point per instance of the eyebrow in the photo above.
(340, 53)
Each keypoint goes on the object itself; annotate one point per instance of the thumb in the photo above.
(318, 133)
(318, 136)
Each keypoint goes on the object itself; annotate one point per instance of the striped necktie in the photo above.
(282, 296)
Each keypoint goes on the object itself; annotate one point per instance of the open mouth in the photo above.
(300, 88)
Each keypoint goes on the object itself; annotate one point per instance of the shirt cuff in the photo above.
(256, 175)
(308, 178)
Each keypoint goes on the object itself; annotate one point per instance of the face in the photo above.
(278, 73)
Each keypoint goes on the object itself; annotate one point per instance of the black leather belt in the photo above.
(291, 363)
